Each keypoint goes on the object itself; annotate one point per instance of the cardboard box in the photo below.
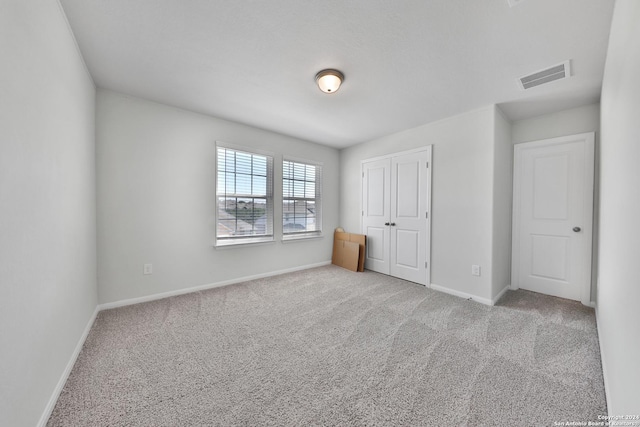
(349, 250)
(345, 254)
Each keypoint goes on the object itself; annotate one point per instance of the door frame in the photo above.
(428, 189)
(588, 178)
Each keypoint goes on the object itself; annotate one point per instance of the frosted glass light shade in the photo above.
(329, 80)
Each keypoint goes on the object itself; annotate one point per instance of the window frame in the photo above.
(269, 236)
(317, 199)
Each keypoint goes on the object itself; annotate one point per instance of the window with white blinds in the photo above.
(244, 196)
(301, 199)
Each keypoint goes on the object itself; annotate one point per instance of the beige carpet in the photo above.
(330, 347)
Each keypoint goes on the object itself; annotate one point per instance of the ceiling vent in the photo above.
(557, 72)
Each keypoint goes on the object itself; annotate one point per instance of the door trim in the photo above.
(399, 153)
(588, 178)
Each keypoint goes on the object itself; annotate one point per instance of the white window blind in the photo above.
(301, 199)
(244, 196)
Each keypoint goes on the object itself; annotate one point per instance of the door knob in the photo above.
(393, 223)
(386, 223)
(577, 229)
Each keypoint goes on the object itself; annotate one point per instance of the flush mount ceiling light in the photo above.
(329, 80)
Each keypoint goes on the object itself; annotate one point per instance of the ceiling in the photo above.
(406, 62)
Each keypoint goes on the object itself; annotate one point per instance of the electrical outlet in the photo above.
(475, 270)
(148, 269)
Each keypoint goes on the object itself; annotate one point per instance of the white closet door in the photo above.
(395, 204)
(408, 226)
(376, 184)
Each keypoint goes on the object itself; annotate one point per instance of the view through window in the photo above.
(301, 198)
(244, 195)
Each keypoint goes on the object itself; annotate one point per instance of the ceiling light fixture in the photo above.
(329, 80)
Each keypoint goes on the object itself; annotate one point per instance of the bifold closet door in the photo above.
(376, 187)
(408, 241)
(395, 215)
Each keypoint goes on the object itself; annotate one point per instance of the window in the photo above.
(301, 199)
(244, 196)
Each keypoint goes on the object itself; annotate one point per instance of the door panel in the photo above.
(376, 244)
(553, 197)
(550, 257)
(551, 186)
(377, 200)
(407, 186)
(408, 217)
(376, 182)
(407, 249)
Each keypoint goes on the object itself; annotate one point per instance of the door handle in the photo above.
(393, 223)
(577, 229)
(386, 223)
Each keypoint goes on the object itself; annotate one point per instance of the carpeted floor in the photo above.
(330, 347)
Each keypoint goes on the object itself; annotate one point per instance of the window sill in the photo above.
(230, 244)
(297, 238)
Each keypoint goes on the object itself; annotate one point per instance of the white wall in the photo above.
(47, 206)
(462, 199)
(502, 204)
(568, 122)
(618, 302)
(156, 200)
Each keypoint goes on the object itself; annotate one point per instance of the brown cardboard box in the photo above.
(349, 249)
(345, 254)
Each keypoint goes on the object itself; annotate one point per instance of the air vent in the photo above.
(557, 72)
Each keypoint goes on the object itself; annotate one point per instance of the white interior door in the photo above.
(553, 215)
(376, 197)
(408, 224)
(396, 200)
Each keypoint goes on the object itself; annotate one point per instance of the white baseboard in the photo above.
(591, 304)
(461, 294)
(500, 294)
(67, 371)
(465, 295)
(154, 297)
(74, 356)
(603, 362)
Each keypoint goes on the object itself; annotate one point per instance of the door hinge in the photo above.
(426, 215)
(426, 264)
(427, 165)
(362, 213)
(363, 174)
